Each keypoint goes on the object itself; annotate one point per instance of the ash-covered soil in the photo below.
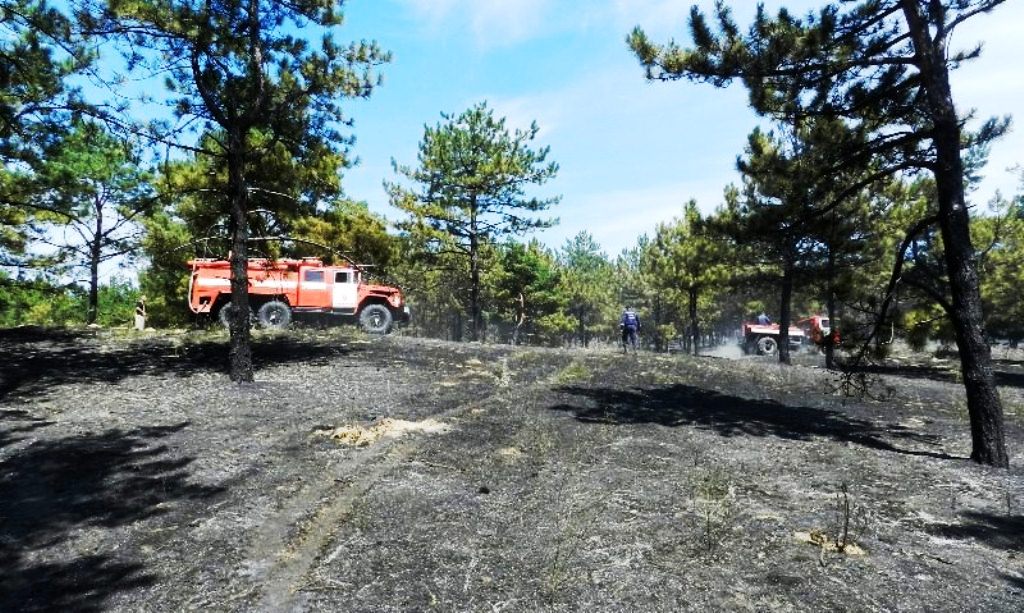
(134, 476)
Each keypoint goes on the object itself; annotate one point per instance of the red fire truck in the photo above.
(763, 339)
(279, 289)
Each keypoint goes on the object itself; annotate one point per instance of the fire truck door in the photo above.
(312, 288)
(345, 290)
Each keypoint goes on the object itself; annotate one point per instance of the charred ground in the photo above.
(135, 476)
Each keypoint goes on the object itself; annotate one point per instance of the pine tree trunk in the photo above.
(474, 293)
(95, 253)
(784, 310)
(455, 325)
(94, 283)
(830, 350)
(582, 328)
(474, 274)
(520, 318)
(694, 329)
(240, 352)
(983, 403)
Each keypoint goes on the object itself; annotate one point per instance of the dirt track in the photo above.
(134, 476)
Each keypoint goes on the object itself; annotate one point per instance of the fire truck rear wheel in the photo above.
(275, 314)
(225, 313)
(767, 345)
(375, 319)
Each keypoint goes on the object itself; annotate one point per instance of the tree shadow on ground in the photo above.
(22, 423)
(1009, 379)
(1004, 378)
(55, 488)
(995, 530)
(36, 359)
(683, 405)
(1013, 580)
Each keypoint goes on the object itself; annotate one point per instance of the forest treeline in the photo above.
(703, 273)
(854, 198)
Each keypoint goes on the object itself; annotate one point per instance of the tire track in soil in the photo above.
(289, 560)
(280, 563)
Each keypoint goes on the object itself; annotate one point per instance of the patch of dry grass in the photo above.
(364, 436)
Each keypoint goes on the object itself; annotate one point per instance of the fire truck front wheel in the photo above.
(275, 314)
(376, 319)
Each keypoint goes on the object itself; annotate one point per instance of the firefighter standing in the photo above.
(629, 324)
(140, 313)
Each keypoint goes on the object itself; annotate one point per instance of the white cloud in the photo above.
(659, 18)
(521, 111)
(493, 23)
(631, 153)
(616, 219)
(432, 11)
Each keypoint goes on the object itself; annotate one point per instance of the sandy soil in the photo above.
(397, 474)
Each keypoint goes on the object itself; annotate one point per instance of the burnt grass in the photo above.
(134, 476)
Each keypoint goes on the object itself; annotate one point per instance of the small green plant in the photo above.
(842, 519)
(574, 372)
(504, 375)
(571, 536)
(581, 512)
(850, 522)
(715, 508)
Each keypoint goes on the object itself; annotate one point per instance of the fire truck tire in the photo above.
(275, 314)
(375, 319)
(767, 345)
(225, 312)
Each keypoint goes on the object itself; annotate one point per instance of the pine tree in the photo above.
(588, 284)
(687, 263)
(526, 282)
(471, 191)
(93, 195)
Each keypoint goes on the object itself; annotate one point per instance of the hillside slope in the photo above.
(397, 474)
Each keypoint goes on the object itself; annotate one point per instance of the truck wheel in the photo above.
(275, 314)
(767, 345)
(375, 319)
(227, 312)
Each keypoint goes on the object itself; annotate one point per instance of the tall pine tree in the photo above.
(471, 190)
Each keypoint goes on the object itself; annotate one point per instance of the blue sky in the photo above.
(631, 152)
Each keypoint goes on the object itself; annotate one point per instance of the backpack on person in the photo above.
(630, 320)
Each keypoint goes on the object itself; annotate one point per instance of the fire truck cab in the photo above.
(279, 289)
(819, 330)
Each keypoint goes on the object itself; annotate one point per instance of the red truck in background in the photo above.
(818, 330)
(280, 288)
(763, 339)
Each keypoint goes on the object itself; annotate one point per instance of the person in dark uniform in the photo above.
(629, 324)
